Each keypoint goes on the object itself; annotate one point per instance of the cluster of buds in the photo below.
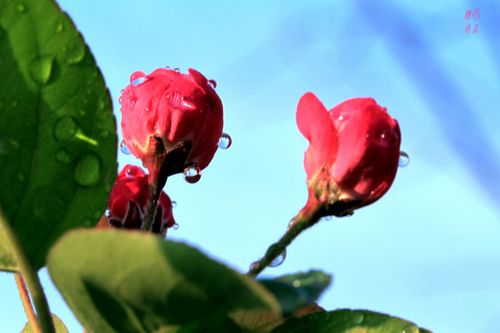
(173, 123)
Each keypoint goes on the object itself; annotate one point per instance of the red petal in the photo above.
(315, 124)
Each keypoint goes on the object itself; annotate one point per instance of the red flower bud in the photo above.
(165, 109)
(128, 200)
(353, 152)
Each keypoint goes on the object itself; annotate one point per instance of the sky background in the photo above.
(429, 250)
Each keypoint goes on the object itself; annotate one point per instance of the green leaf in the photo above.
(58, 324)
(122, 281)
(8, 259)
(295, 291)
(57, 130)
(348, 321)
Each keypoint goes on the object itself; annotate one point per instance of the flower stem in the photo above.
(154, 194)
(305, 219)
(31, 280)
(28, 307)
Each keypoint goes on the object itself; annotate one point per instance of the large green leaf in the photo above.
(57, 130)
(58, 325)
(348, 321)
(295, 291)
(122, 281)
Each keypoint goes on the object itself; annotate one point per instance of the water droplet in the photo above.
(107, 213)
(137, 78)
(174, 203)
(123, 148)
(88, 169)
(253, 265)
(192, 173)
(212, 83)
(410, 329)
(340, 118)
(388, 137)
(357, 317)
(20, 8)
(75, 53)
(40, 69)
(327, 218)
(104, 134)
(278, 260)
(296, 283)
(132, 172)
(225, 141)
(20, 176)
(404, 159)
(175, 226)
(59, 27)
(62, 156)
(177, 70)
(64, 128)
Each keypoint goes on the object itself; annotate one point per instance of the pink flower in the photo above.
(128, 200)
(168, 110)
(353, 152)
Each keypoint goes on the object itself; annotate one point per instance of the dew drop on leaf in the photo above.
(192, 173)
(41, 69)
(278, 260)
(64, 128)
(225, 141)
(62, 156)
(20, 8)
(88, 169)
(410, 329)
(123, 148)
(357, 317)
(59, 27)
(404, 159)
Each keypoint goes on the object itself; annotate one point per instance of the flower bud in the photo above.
(128, 200)
(166, 111)
(353, 150)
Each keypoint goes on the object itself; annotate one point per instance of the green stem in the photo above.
(153, 197)
(32, 281)
(304, 220)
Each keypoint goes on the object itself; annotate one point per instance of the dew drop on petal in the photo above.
(177, 70)
(137, 78)
(357, 317)
(123, 148)
(175, 226)
(225, 141)
(107, 213)
(192, 173)
(404, 159)
(278, 260)
(212, 83)
(174, 203)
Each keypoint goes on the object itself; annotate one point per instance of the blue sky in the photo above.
(429, 251)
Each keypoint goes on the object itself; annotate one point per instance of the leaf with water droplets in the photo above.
(54, 158)
(120, 281)
(348, 321)
(295, 291)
